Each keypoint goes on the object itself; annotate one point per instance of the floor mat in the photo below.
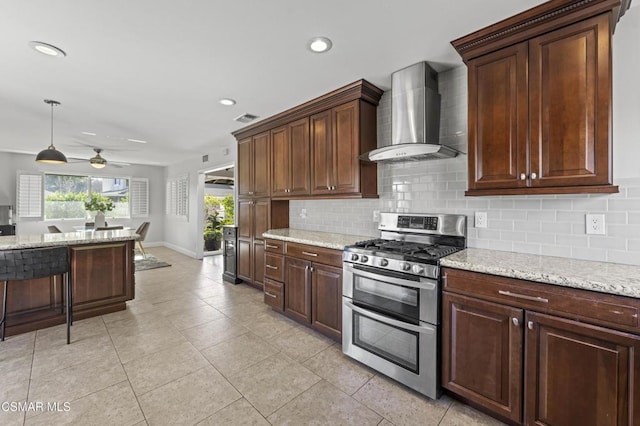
(151, 262)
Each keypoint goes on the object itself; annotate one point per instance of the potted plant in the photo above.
(100, 204)
(213, 232)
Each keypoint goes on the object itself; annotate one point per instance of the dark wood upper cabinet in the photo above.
(254, 163)
(540, 100)
(290, 153)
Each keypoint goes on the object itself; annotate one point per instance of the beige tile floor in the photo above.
(191, 349)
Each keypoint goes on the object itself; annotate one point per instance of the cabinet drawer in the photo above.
(274, 246)
(597, 308)
(273, 294)
(274, 266)
(315, 254)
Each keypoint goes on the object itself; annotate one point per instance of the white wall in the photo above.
(185, 234)
(553, 224)
(10, 163)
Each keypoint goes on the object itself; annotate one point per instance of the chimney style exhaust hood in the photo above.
(415, 118)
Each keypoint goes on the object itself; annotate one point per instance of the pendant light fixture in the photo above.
(97, 162)
(51, 154)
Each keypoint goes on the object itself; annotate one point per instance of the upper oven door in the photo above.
(409, 297)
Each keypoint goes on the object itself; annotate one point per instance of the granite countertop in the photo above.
(314, 238)
(604, 277)
(13, 242)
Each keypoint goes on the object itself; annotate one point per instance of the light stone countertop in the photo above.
(314, 238)
(17, 242)
(604, 277)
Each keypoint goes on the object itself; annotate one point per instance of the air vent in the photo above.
(246, 118)
(205, 158)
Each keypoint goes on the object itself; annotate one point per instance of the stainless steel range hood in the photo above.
(415, 118)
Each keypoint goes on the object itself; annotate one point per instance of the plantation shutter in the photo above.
(139, 197)
(29, 194)
(177, 196)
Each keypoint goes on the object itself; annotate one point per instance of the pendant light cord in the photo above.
(51, 145)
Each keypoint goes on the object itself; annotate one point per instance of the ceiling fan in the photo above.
(99, 162)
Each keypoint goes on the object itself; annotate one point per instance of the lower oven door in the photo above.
(405, 352)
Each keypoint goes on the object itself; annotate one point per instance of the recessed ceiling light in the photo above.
(320, 44)
(47, 49)
(136, 141)
(227, 101)
(89, 133)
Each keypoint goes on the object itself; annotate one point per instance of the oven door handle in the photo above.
(425, 284)
(390, 321)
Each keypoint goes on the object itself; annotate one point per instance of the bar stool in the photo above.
(27, 264)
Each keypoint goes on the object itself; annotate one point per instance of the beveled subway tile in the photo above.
(324, 404)
(115, 405)
(236, 413)
(49, 360)
(77, 381)
(213, 332)
(194, 317)
(463, 415)
(160, 368)
(339, 370)
(271, 383)
(400, 405)
(300, 343)
(239, 353)
(189, 399)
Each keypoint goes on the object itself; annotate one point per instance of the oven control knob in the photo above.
(364, 259)
(405, 266)
(383, 262)
(417, 269)
(354, 256)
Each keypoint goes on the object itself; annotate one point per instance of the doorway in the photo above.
(218, 208)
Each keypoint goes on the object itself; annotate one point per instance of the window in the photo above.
(65, 195)
(177, 196)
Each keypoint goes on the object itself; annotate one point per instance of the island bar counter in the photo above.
(102, 279)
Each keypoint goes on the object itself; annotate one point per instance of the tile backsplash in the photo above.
(551, 224)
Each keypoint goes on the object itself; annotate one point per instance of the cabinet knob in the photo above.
(523, 176)
(515, 321)
(530, 325)
(534, 176)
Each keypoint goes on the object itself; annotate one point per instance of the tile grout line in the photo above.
(33, 355)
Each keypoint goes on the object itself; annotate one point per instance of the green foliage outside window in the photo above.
(99, 203)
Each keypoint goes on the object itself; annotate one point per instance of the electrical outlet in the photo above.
(376, 215)
(481, 220)
(303, 213)
(595, 224)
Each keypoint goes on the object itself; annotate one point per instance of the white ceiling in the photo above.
(155, 69)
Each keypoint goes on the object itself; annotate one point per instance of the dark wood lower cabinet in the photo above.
(326, 289)
(580, 374)
(482, 353)
(297, 289)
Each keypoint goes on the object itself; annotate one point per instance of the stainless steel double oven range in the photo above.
(391, 296)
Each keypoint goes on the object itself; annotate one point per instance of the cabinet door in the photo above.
(498, 119)
(280, 164)
(245, 219)
(345, 176)
(245, 260)
(321, 153)
(482, 350)
(297, 289)
(326, 285)
(245, 167)
(299, 157)
(570, 92)
(580, 374)
(258, 263)
(261, 217)
(261, 165)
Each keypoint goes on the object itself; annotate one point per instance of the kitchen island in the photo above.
(102, 273)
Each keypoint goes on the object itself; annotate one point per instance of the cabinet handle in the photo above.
(270, 294)
(523, 176)
(272, 246)
(333, 188)
(523, 296)
(271, 267)
(515, 321)
(530, 325)
(311, 269)
(310, 254)
(250, 192)
(534, 176)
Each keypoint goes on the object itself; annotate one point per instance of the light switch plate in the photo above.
(481, 220)
(595, 224)
(376, 215)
